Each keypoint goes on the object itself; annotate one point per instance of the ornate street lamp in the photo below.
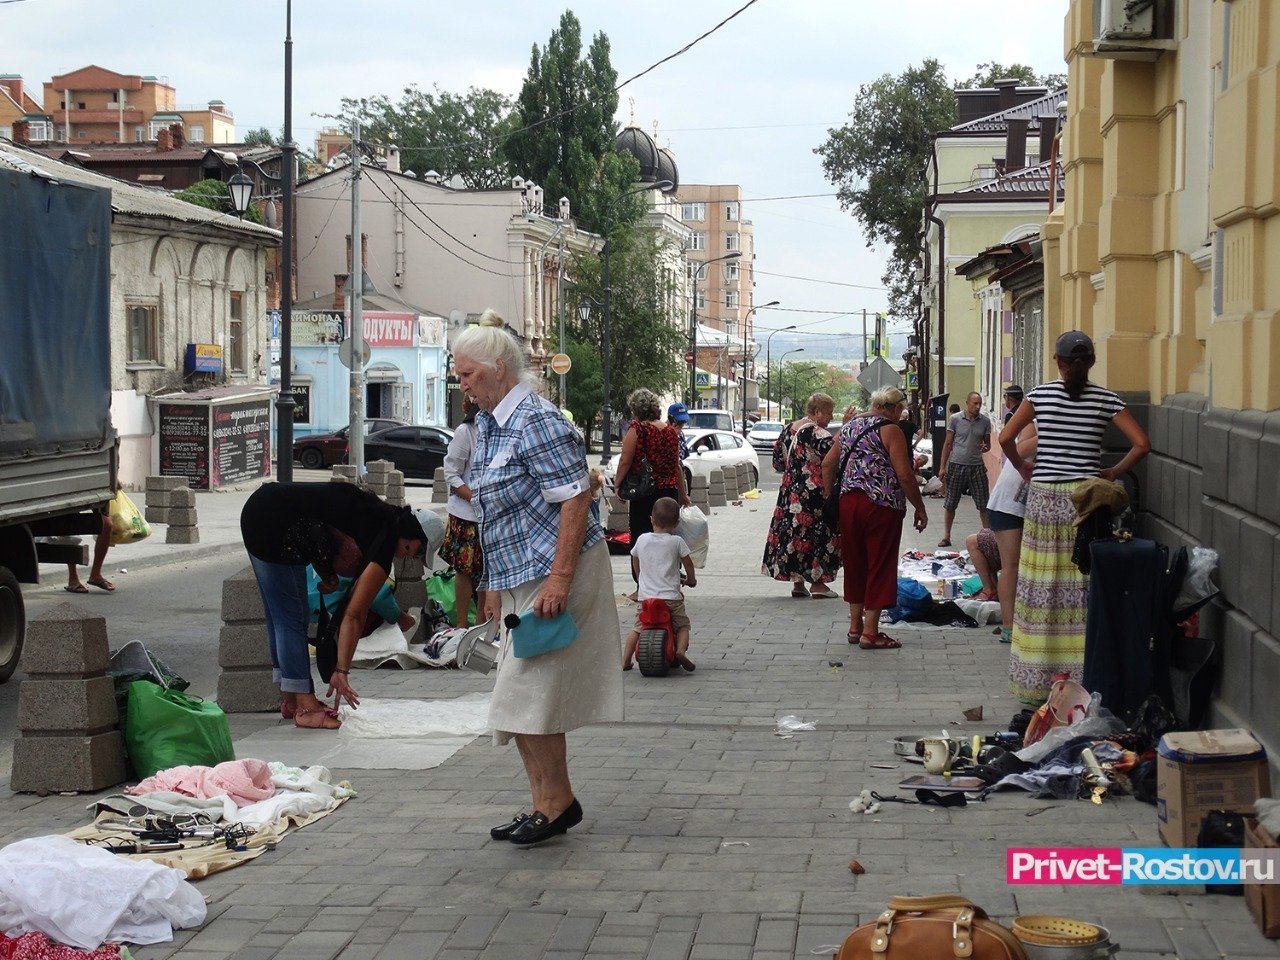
(746, 322)
(768, 371)
(782, 375)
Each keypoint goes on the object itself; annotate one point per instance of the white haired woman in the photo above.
(543, 551)
(877, 481)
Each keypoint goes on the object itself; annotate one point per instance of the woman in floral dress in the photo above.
(801, 548)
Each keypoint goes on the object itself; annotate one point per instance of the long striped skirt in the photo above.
(1049, 613)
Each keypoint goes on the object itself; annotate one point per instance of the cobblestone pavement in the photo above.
(707, 835)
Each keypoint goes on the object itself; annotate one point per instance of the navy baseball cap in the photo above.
(1073, 345)
(678, 412)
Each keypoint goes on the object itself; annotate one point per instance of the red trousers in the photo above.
(869, 538)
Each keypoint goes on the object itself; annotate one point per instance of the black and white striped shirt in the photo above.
(1070, 431)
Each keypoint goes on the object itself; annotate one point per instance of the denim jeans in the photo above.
(284, 598)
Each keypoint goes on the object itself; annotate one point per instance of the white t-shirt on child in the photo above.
(659, 555)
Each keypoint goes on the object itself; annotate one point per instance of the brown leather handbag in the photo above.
(915, 928)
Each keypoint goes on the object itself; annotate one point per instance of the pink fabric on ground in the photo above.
(244, 781)
(36, 946)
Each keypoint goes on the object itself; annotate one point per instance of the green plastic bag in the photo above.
(168, 728)
(440, 589)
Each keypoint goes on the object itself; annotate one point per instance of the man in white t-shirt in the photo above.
(656, 559)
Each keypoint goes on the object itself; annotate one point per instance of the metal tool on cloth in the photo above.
(479, 647)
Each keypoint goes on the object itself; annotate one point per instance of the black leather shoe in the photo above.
(505, 831)
(538, 828)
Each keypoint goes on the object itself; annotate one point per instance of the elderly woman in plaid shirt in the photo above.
(543, 550)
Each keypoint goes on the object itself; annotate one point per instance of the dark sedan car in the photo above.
(416, 451)
(325, 449)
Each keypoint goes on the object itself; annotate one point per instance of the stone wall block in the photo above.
(75, 706)
(248, 691)
(1264, 705)
(1242, 459)
(243, 645)
(241, 599)
(66, 641)
(1236, 646)
(1161, 416)
(1257, 575)
(1215, 436)
(182, 535)
(1225, 538)
(1269, 468)
(183, 498)
(1194, 500)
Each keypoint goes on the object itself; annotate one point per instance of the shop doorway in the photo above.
(387, 394)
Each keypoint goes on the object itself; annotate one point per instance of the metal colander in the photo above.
(1056, 931)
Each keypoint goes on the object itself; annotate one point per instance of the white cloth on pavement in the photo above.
(85, 896)
(463, 716)
(387, 644)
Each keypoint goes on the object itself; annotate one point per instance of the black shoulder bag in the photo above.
(638, 484)
(831, 505)
(327, 629)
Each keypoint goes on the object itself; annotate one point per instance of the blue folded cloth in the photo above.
(532, 635)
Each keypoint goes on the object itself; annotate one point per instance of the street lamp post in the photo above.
(607, 411)
(782, 373)
(768, 370)
(746, 323)
(693, 322)
(241, 189)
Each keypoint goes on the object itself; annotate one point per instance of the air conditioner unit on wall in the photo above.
(1132, 29)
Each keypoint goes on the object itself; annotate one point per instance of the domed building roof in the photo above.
(667, 169)
(640, 145)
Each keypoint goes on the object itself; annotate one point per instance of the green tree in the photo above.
(565, 129)
(214, 195)
(583, 383)
(877, 162)
(450, 133)
(646, 340)
(796, 380)
(260, 137)
(987, 74)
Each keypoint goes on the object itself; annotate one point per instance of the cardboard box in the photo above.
(1263, 898)
(1205, 770)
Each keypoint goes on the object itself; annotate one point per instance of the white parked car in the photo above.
(765, 434)
(708, 450)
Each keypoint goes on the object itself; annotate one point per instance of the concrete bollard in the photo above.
(439, 489)
(744, 479)
(162, 493)
(345, 473)
(731, 491)
(182, 518)
(395, 489)
(716, 489)
(245, 684)
(67, 720)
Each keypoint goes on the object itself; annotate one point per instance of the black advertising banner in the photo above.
(241, 442)
(184, 442)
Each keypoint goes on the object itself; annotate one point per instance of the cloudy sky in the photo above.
(747, 105)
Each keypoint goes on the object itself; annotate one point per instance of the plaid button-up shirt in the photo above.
(528, 461)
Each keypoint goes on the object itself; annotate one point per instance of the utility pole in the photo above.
(560, 307)
(356, 430)
(288, 174)
(864, 338)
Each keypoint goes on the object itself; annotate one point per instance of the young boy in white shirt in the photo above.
(656, 559)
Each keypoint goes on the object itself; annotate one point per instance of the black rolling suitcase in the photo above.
(1129, 628)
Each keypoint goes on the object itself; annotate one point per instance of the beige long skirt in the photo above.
(571, 687)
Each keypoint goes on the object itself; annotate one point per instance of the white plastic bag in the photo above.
(791, 723)
(694, 530)
(1196, 585)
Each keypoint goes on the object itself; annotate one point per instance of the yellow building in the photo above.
(988, 182)
(16, 104)
(1166, 251)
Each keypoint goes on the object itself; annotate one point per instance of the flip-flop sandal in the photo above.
(881, 641)
(852, 637)
(944, 543)
(328, 719)
(103, 584)
(823, 595)
(799, 594)
(78, 588)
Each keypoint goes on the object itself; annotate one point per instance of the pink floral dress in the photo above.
(800, 544)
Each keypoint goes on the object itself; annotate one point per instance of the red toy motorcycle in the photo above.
(656, 649)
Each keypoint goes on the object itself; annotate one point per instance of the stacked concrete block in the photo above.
(619, 515)
(67, 720)
(182, 517)
(345, 473)
(439, 489)
(245, 684)
(395, 489)
(716, 489)
(411, 588)
(378, 476)
(160, 492)
(744, 478)
(731, 491)
(698, 493)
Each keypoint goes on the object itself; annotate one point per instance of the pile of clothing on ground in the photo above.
(935, 589)
(125, 876)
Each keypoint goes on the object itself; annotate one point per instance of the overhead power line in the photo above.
(834, 283)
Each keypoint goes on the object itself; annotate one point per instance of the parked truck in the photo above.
(57, 445)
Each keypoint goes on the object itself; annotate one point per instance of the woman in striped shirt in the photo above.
(1071, 415)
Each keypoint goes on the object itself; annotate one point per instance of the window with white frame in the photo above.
(732, 241)
(731, 329)
(139, 134)
(700, 299)
(693, 211)
(731, 210)
(699, 240)
(39, 131)
(731, 300)
(235, 333)
(195, 134)
(694, 268)
(142, 326)
(731, 270)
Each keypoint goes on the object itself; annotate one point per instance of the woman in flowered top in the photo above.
(877, 480)
(801, 548)
(650, 440)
